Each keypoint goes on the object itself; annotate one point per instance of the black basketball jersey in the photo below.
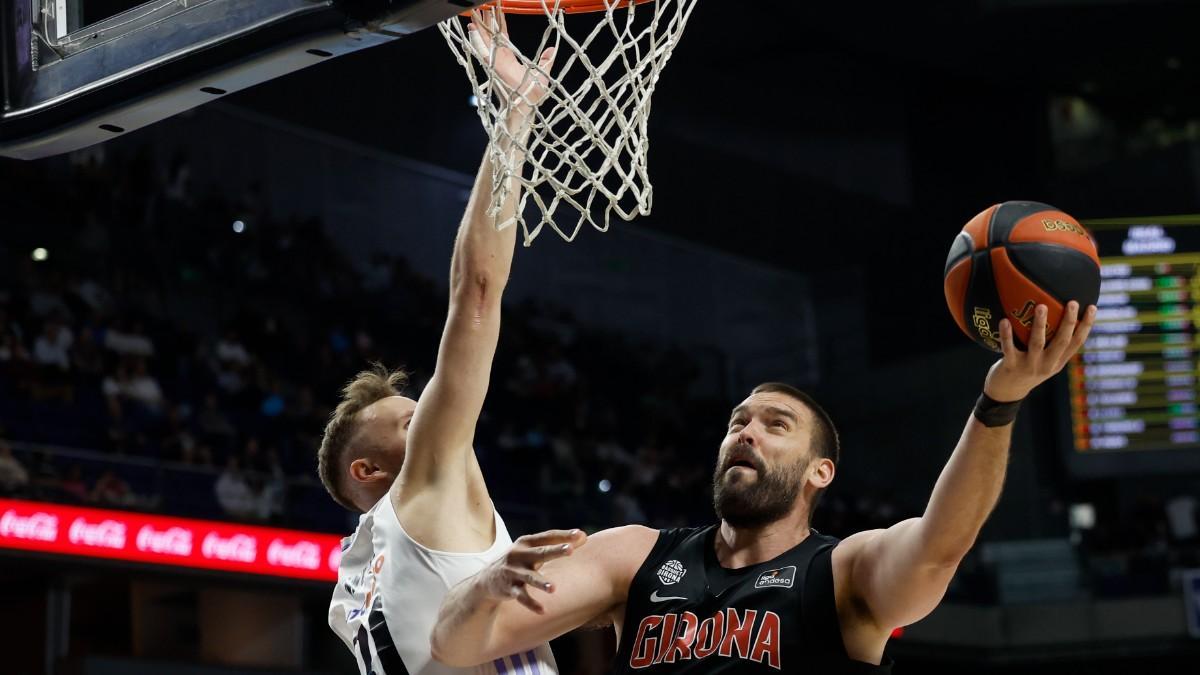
(687, 614)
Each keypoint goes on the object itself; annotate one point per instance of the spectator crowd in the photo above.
(203, 359)
(155, 357)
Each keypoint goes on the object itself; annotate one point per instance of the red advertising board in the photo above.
(165, 540)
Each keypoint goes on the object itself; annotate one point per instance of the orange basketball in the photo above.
(1013, 257)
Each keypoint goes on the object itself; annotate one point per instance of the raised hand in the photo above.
(523, 85)
(1015, 375)
(511, 576)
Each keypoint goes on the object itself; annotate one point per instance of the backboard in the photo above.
(78, 72)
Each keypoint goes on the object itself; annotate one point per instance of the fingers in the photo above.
(495, 23)
(535, 557)
(1006, 339)
(481, 37)
(521, 594)
(514, 580)
(1081, 334)
(1013, 377)
(483, 25)
(536, 580)
(1066, 330)
(547, 59)
(534, 550)
(479, 44)
(549, 537)
(1037, 334)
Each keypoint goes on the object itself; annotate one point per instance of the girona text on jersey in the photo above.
(686, 614)
(731, 633)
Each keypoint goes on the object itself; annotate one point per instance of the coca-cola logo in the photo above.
(303, 555)
(173, 541)
(37, 527)
(104, 534)
(238, 548)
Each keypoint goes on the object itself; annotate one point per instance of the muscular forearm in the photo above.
(901, 573)
(966, 492)
(465, 626)
(482, 254)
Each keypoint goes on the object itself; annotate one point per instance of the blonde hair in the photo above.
(366, 388)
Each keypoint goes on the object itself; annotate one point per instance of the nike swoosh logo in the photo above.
(655, 597)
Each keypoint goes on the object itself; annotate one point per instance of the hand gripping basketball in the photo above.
(511, 576)
(1015, 375)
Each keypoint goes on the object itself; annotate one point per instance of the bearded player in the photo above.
(760, 591)
(409, 466)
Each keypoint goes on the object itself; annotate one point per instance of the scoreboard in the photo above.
(1133, 388)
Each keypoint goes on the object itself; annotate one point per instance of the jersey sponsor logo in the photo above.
(370, 573)
(730, 633)
(655, 597)
(671, 572)
(780, 578)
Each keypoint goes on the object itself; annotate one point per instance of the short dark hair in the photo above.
(366, 388)
(825, 442)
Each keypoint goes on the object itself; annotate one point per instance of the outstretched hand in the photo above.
(523, 85)
(511, 576)
(1015, 375)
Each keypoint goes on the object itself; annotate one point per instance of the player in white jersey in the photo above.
(409, 466)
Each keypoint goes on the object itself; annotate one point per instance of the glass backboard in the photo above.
(77, 72)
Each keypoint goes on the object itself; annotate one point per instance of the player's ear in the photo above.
(822, 471)
(364, 470)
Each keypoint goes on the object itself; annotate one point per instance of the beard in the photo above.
(750, 504)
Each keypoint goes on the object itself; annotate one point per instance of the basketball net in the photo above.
(583, 154)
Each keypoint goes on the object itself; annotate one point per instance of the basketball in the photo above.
(1011, 258)
(288, 287)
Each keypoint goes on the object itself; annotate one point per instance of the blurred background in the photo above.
(180, 305)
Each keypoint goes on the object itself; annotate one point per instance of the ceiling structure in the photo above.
(820, 136)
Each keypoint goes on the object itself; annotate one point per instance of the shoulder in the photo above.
(825, 541)
(684, 536)
(847, 557)
(849, 549)
(849, 553)
(362, 542)
(674, 547)
(627, 541)
(621, 550)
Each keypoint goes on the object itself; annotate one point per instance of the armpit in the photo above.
(602, 621)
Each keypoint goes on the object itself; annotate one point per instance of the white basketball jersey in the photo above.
(388, 594)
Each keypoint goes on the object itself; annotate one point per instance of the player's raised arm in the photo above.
(901, 573)
(547, 585)
(439, 449)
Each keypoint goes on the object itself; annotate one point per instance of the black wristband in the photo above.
(993, 413)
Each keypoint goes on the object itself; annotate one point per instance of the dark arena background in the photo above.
(180, 304)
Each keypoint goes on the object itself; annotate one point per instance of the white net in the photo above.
(582, 155)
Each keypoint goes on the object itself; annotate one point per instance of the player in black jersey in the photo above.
(761, 591)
